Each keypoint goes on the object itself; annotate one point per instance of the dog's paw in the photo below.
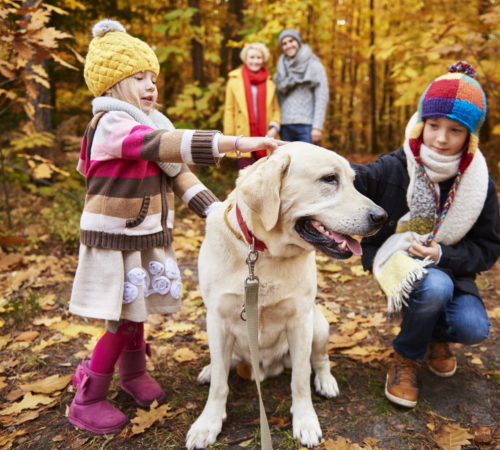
(306, 428)
(326, 385)
(203, 432)
(204, 375)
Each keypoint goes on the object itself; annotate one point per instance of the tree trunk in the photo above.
(42, 120)
(230, 57)
(332, 125)
(236, 7)
(373, 84)
(42, 102)
(197, 47)
(353, 78)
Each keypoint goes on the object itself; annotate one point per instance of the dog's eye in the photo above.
(331, 179)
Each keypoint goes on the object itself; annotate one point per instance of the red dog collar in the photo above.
(249, 236)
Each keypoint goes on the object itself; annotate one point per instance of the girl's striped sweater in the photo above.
(130, 201)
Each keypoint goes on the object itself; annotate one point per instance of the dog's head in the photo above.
(302, 196)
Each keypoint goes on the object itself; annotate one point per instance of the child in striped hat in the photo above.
(443, 229)
(133, 161)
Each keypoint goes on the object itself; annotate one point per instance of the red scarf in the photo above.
(258, 122)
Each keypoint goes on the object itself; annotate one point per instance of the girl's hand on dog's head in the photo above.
(244, 144)
(252, 144)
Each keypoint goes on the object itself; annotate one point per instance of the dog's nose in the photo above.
(377, 216)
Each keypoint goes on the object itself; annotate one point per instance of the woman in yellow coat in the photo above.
(251, 107)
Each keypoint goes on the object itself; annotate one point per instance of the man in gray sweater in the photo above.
(302, 89)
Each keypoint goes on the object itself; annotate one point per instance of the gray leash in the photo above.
(250, 313)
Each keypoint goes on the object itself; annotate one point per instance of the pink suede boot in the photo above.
(89, 409)
(134, 379)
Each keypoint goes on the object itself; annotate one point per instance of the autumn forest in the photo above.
(379, 55)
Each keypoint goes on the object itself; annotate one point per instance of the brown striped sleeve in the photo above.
(201, 148)
(201, 201)
(192, 191)
(161, 145)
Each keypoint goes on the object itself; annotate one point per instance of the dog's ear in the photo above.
(259, 188)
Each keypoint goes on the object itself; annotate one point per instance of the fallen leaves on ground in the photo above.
(452, 437)
(48, 385)
(27, 336)
(340, 443)
(483, 435)
(18, 419)
(32, 383)
(8, 440)
(244, 370)
(4, 341)
(29, 401)
(146, 419)
(184, 354)
(46, 321)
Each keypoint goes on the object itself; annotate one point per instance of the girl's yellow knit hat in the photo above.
(115, 55)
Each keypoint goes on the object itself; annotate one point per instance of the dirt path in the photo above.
(464, 408)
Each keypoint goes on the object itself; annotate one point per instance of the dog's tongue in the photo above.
(352, 243)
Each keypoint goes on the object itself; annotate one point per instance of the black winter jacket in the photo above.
(386, 180)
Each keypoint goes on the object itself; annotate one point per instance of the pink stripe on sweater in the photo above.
(132, 144)
(83, 157)
(83, 149)
(117, 136)
(122, 168)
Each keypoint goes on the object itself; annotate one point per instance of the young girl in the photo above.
(134, 161)
(443, 229)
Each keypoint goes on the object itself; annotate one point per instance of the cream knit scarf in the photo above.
(155, 119)
(396, 271)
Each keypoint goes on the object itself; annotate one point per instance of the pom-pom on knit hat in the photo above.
(457, 96)
(292, 33)
(115, 55)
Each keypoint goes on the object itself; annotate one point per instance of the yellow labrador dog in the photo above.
(299, 199)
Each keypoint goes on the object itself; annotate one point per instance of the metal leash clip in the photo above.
(252, 257)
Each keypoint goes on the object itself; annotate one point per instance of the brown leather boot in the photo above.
(441, 360)
(401, 383)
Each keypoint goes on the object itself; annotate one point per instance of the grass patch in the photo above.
(32, 361)
(22, 307)
(286, 440)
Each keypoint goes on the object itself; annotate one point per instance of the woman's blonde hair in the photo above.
(259, 46)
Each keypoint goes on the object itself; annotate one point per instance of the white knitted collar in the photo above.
(469, 199)
(155, 119)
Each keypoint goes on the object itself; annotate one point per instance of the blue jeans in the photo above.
(436, 313)
(296, 132)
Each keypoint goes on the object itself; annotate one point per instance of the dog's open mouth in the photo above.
(328, 241)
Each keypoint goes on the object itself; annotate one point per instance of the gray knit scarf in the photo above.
(155, 119)
(298, 70)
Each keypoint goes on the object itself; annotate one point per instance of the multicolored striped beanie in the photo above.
(457, 96)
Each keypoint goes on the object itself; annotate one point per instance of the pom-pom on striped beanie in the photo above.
(457, 96)
(115, 55)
